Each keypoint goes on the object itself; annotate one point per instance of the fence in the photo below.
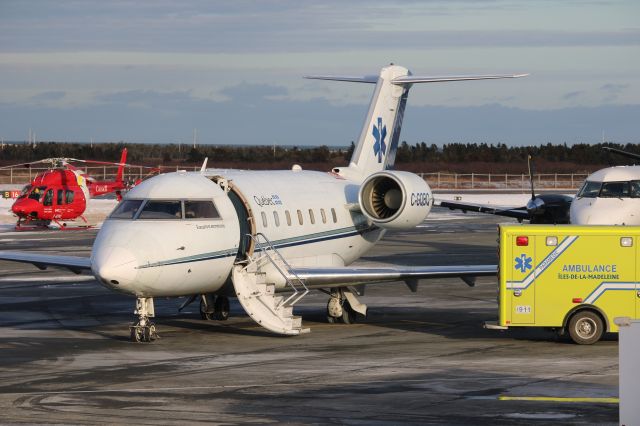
(437, 180)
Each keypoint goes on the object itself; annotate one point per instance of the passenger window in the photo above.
(127, 209)
(313, 219)
(276, 219)
(161, 210)
(288, 216)
(200, 210)
(69, 196)
(300, 217)
(334, 215)
(324, 216)
(615, 190)
(48, 198)
(60, 198)
(264, 219)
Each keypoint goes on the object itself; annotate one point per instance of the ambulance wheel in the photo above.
(585, 328)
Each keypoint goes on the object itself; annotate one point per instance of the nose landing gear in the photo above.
(144, 330)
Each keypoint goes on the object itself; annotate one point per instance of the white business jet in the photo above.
(255, 234)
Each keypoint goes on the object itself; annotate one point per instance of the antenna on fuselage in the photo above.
(204, 165)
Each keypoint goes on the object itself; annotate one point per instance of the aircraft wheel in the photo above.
(348, 314)
(585, 328)
(221, 308)
(332, 320)
(208, 316)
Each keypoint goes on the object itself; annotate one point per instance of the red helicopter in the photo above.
(61, 193)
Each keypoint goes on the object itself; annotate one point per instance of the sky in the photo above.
(153, 71)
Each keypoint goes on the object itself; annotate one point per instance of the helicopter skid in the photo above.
(54, 224)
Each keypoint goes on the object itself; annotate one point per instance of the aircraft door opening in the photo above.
(245, 220)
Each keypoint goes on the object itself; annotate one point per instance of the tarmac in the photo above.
(423, 358)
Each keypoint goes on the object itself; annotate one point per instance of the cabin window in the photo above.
(165, 210)
(69, 196)
(200, 210)
(615, 190)
(288, 216)
(311, 217)
(60, 198)
(324, 216)
(127, 209)
(276, 219)
(334, 215)
(48, 198)
(300, 217)
(264, 219)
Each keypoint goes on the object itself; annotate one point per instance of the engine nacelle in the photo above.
(395, 200)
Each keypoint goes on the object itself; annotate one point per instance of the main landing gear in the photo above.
(344, 307)
(214, 307)
(144, 330)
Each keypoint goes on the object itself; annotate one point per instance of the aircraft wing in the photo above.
(519, 213)
(338, 277)
(75, 264)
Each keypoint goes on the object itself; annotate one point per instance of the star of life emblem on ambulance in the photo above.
(523, 263)
(379, 133)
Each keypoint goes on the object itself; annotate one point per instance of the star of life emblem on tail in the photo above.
(379, 133)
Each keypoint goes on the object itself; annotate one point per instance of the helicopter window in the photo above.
(25, 191)
(161, 210)
(37, 193)
(127, 209)
(590, 190)
(60, 199)
(615, 190)
(69, 196)
(200, 210)
(48, 198)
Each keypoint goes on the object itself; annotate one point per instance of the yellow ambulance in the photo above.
(575, 279)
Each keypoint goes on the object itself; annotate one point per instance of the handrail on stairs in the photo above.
(294, 298)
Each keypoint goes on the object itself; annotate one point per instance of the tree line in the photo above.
(420, 157)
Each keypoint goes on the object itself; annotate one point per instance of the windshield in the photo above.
(161, 210)
(25, 191)
(590, 190)
(127, 209)
(615, 190)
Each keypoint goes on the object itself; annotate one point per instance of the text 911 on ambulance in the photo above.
(574, 279)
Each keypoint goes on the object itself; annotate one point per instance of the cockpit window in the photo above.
(200, 210)
(590, 190)
(615, 190)
(127, 209)
(161, 210)
(634, 189)
(25, 191)
(37, 193)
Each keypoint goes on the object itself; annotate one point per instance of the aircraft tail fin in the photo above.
(378, 142)
(123, 161)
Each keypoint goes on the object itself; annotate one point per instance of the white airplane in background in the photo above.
(253, 234)
(609, 196)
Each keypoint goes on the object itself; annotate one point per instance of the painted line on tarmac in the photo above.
(603, 400)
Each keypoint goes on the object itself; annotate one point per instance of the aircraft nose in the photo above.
(115, 267)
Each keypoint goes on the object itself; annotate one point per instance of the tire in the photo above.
(221, 308)
(585, 327)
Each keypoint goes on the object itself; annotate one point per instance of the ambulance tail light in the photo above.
(577, 300)
(522, 240)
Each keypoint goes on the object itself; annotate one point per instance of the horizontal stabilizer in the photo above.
(365, 79)
(409, 79)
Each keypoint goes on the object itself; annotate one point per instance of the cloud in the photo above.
(49, 96)
(572, 95)
(612, 91)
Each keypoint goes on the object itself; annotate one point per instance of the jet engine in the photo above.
(395, 200)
